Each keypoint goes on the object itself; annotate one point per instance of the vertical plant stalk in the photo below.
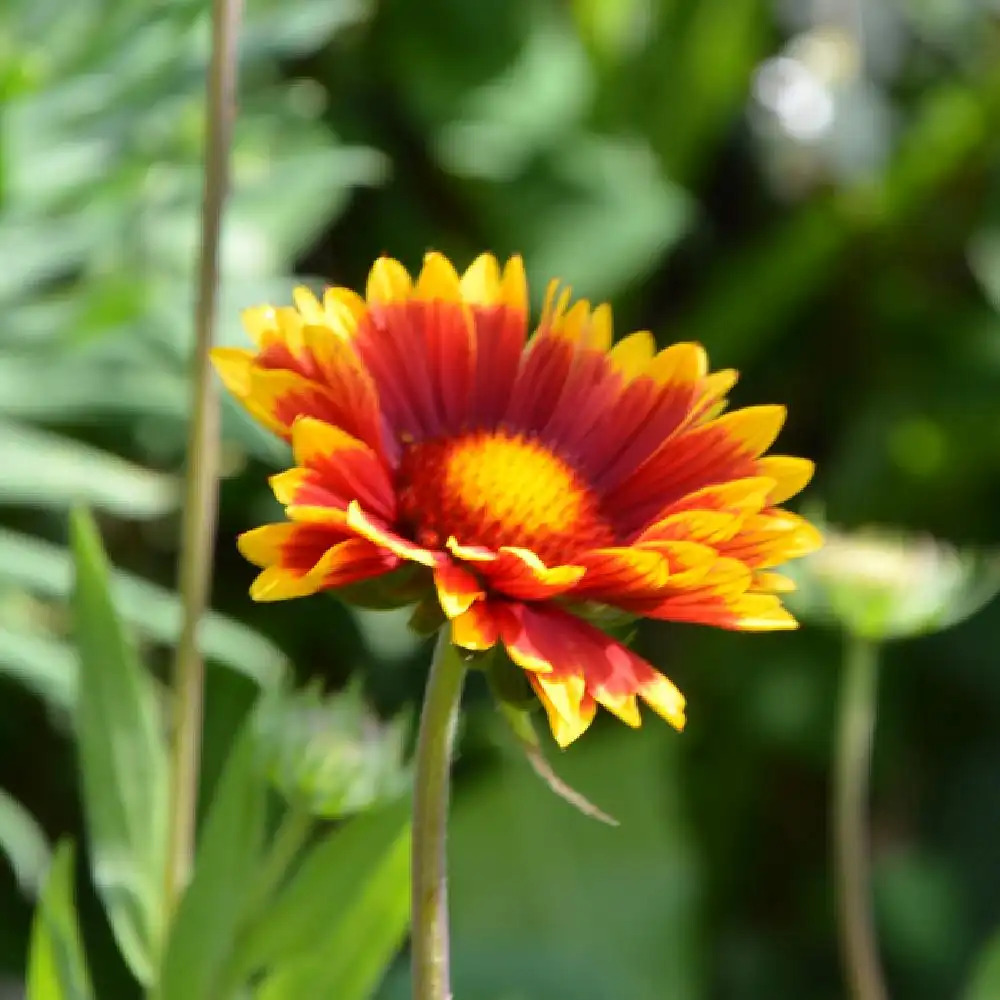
(201, 484)
(438, 721)
(855, 732)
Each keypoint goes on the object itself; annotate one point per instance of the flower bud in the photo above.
(879, 583)
(331, 755)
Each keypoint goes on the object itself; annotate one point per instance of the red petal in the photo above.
(651, 408)
(616, 574)
(500, 335)
(545, 366)
(772, 538)
(571, 662)
(421, 355)
(724, 449)
(517, 572)
(360, 521)
(343, 467)
(457, 588)
(299, 560)
(476, 628)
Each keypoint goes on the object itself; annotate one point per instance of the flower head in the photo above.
(882, 583)
(526, 480)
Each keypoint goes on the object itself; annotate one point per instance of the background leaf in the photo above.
(25, 844)
(335, 928)
(57, 966)
(46, 570)
(985, 983)
(122, 761)
(229, 851)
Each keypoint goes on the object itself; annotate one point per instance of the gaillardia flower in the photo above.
(527, 480)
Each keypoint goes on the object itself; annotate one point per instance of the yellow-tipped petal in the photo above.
(790, 475)
(772, 583)
(286, 485)
(480, 285)
(234, 365)
(388, 281)
(514, 285)
(259, 321)
(277, 584)
(567, 722)
(632, 354)
(624, 707)
(601, 328)
(438, 280)
(575, 324)
(664, 698)
(763, 613)
(262, 546)
(308, 305)
(343, 309)
(682, 363)
(315, 440)
(755, 427)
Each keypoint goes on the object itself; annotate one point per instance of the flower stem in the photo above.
(855, 732)
(200, 495)
(438, 721)
(291, 836)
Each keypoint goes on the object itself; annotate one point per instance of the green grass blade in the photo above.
(122, 760)
(229, 852)
(338, 923)
(153, 612)
(25, 844)
(57, 967)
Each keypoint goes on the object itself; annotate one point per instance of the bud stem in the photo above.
(198, 529)
(855, 732)
(438, 721)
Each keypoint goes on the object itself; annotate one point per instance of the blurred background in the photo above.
(811, 188)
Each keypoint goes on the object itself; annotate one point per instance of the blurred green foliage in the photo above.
(814, 199)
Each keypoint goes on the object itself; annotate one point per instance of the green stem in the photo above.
(200, 495)
(296, 827)
(855, 732)
(291, 836)
(438, 721)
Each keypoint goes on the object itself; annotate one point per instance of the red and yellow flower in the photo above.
(527, 480)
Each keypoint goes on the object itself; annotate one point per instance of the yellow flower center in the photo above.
(496, 489)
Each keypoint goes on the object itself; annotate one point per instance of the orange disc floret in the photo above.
(497, 489)
(525, 477)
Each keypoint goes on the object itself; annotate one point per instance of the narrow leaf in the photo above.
(337, 925)
(57, 968)
(50, 470)
(122, 759)
(25, 844)
(985, 984)
(229, 852)
(45, 666)
(152, 611)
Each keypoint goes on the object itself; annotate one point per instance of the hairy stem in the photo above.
(200, 495)
(855, 731)
(438, 721)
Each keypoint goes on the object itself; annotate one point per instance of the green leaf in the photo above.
(985, 983)
(229, 851)
(336, 926)
(154, 612)
(54, 471)
(44, 665)
(24, 843)
(49, 389)
(122, 759)
(57, 967)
